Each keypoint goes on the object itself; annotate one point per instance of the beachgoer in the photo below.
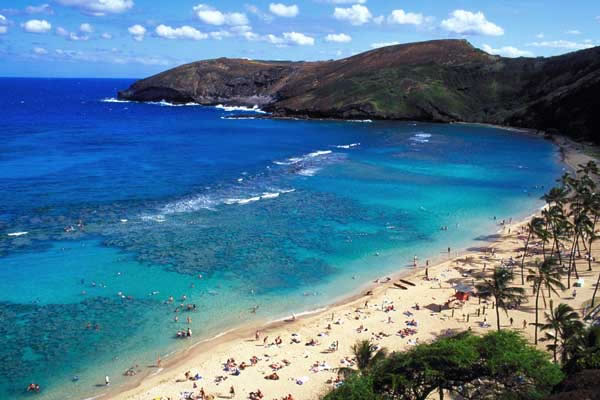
(158, 361)
(107, 380)
(524, 323)
(232, 392)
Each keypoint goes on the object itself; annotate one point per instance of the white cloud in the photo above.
(562, 44)
(383, 44)
(401, 17)
(99, 7)
(60, 31)
(347, 1)
(74, 36)
(356, 15)
(41, 9)
(573, 32)
(137, 31)
(40, 51)
(212, 16)
(540, 35)
(3, 22)
(106, 36)
(470, 23)
(256, 11)
(37, 26)
(274, 39)
(219, 35)
(281, 10)
(87, 28)
(506, 51)
(183, 32)
(299, 38)
(338, 38)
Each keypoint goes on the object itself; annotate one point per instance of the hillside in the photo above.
(441, 81)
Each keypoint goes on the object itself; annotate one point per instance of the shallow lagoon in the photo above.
(287, 215)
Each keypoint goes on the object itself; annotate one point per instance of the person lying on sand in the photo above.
(272, 377)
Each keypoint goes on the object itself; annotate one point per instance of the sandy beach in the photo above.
(306, 351)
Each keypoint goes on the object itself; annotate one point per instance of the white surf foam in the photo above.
(17, 233)
(364, 121)
(113, 100)
(421, 137)
(164, 103)
(347, 146)
(240, 108)
(309, 171)
(319, 153)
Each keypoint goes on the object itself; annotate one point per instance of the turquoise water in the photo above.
(286, 215)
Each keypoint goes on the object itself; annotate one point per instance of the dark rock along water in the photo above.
(281, 214)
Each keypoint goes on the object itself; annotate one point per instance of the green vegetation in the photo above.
(501, 364)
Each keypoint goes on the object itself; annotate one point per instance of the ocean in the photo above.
(109, 208)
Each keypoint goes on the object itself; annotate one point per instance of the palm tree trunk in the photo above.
(523, 259)
(497, 314)
(555, 344)
(596, 289)
(537, 301)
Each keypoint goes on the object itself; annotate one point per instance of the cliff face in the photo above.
(442, 81)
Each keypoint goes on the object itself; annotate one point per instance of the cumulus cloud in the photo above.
(41, 9)
(562, 44)
(299, 38)
(75, 36)
(506, 51)
(573, 32)
(383, 44)
(356, 15)
(212, 16)
(338, 38)
(405, 18)
(470, 23)
(40, 51)
(281, 10)
(87, 28)
(540, 35)
(99, 7)
(346, 1)
(183, 32)
(137, 31)
(3, 23)
(37, 26)
(256, 11)
(106, 36)
(220, 35)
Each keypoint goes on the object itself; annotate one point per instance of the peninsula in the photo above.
(437, 81)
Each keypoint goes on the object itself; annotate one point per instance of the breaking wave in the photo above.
(421, 137)
(240, 108)
(347, 146)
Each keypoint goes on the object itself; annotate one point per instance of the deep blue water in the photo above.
(125, 204)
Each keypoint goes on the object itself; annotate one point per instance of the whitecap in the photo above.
(17, 233)
(268, 195)
(364, 121)
(308, 171)
(347, 146)
(319, 153)
(154, 218)
(191, 204)
(240, 108)
(113, 100)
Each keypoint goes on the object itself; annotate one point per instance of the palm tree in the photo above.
(366, 355)
(533, 226)
(546, 276)
(504, 295)
(565, 324)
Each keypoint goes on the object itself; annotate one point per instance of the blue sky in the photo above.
(136, 38)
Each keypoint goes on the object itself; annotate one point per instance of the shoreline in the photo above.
(226, 341)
